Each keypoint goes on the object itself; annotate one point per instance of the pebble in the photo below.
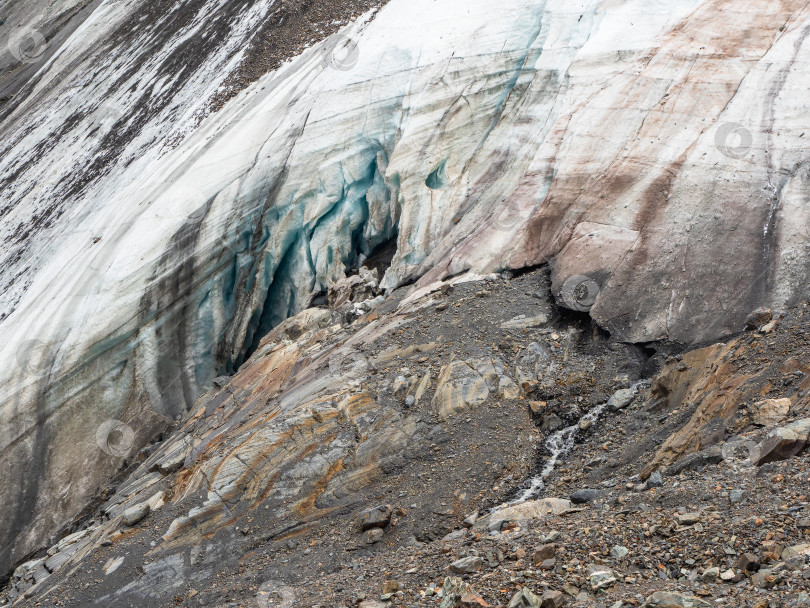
(585, 495)
(688, 519)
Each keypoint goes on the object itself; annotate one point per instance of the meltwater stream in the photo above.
(559, 444)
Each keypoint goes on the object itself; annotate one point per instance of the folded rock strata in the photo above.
(310, 436)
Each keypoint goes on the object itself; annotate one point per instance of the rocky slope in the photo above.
(372, 462)
(179, 178)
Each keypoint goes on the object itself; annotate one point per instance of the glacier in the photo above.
(152, 236)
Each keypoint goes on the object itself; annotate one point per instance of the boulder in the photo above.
(758, 318)
(770, 411)
(669, 599)
(544, 552)
(453, 590)
(378, 517)
(533, 509)
(135, 513)
(552, 599)
(600, 577)
(621, 399)
(525, 598)
(467, 565)
(782, 443)
(793, 550)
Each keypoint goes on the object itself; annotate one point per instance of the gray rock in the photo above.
(758, 318)
(655, 480)
(782, 443)
(621, 399)
(691, 462)
(453, 590)
(600, 577)
(619, 552)
(135, 513)
(525, 599)
(551, 423)
(378, 517)
(710, 575)
(467, 565)
(552, 599)
(373, 535)
(585, 495)
(668, 599)
(688, 519)
(40, 574)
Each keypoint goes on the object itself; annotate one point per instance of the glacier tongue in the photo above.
(152, 263)
(149, 240)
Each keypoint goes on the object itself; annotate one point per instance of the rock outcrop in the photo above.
(317, 432)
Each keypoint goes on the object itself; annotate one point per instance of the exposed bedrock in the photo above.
(152, 234)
